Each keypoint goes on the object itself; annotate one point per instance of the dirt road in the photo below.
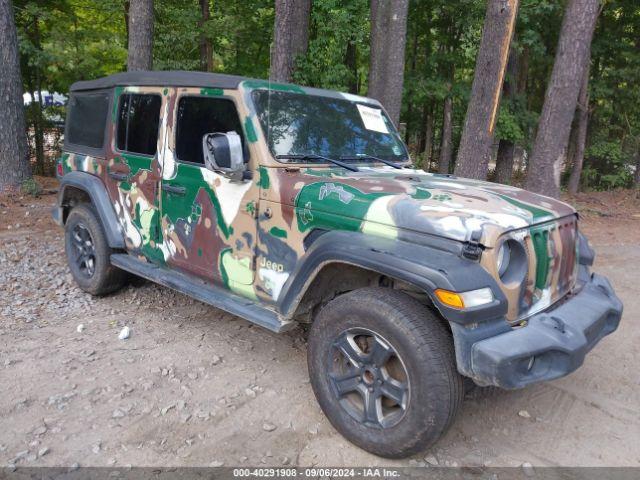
(194, 386)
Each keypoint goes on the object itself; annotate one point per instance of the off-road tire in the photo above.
(425, 347)
(105, 278)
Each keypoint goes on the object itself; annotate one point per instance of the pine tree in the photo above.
(140, 35)
(290, 37)
(14, 156)
(477, 137)
(388, 41)
(572, 57)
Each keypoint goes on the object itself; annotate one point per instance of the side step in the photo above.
(198, 289)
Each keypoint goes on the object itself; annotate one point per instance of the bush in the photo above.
(31, 187)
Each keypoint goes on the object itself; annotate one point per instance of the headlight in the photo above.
(511, 261)
(504, 257)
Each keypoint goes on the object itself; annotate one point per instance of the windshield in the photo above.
(296, 124)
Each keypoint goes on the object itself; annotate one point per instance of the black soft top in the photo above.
(174, 78)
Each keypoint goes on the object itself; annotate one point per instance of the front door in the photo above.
(208, 224)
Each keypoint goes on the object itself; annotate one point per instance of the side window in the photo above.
(87, 119)
(138, 122)
(198, 116)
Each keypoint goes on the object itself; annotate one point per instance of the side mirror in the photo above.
(223, 153)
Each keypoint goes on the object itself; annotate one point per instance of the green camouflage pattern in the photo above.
(248, 236)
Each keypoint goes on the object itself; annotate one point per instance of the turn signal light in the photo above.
(470, 299)
(451, 299)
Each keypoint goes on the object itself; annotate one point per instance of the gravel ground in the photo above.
(193, 386)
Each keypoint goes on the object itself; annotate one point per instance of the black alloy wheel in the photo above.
(85, 250)
(382, 366)
(369, 378)
(88, 252)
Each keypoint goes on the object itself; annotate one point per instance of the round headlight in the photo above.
(511, 261)
(504, 257)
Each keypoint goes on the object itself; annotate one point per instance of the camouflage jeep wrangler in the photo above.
(289, 205)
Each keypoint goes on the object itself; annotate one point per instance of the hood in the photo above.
(386, 201)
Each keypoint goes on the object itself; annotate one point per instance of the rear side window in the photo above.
(200, 115)
(87, 118)
(138, 122)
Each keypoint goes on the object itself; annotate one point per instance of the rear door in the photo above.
(133, 170)
(207, 227)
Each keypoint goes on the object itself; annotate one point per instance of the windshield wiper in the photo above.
(371, 157)
(318, 157)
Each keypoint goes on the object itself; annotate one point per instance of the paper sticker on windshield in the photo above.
(372, 119)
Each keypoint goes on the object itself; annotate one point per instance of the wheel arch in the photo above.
(335, 278)
(81, 187)
(419, 267)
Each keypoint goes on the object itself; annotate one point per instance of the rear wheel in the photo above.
(88, 253)
(383, 370)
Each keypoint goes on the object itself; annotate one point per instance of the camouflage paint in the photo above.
(248, 236)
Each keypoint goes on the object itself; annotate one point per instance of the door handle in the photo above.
(174, 190)
(118, 176)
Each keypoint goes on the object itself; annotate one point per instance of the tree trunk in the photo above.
(428, 135)
(477, 136)
(38, 119)
(140, 35)
(504, 162)
(300, 32)
(290, 37)
(351, 62)
(14, 160)
(38, 129)
(206, 49)
(573, 135)
(388, 40)
(581, 134)
(446, 146)
(126, 21)
(409, 116)
(506, 148)
(543, 175)
(636, 177)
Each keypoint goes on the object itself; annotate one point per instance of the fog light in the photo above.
(473, 298)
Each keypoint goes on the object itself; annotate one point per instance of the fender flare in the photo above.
(92, 186)
(423, 266)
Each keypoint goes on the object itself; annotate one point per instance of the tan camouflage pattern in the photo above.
(248, 236)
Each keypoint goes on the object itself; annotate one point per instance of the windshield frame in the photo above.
(309, 91)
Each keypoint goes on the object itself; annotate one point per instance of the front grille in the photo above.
(551, 248)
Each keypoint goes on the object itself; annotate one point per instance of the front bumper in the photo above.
(551, 345)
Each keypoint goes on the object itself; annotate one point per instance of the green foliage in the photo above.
(31, 187)
(334, 24)
(608, 167)
(75, 40)
(615, 106)
(62, 41)
(508, 126)
(240, 32)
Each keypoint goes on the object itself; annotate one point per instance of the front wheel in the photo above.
(383, 370)
(88, 253)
